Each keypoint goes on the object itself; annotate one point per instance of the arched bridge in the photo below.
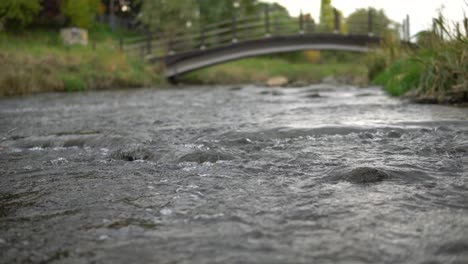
(247, 37)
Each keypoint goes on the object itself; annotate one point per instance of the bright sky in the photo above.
(421, 11)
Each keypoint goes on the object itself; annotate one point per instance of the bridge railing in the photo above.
(243, 29)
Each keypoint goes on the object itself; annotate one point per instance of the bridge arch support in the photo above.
(179, 64)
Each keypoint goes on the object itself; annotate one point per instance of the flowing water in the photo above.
(247, 174)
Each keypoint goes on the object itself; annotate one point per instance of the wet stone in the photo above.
(313, 95)
(454, 248)
(366, 135)
(393, 134)
(366, 175)
(132, 153)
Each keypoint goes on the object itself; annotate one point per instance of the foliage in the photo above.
(312, 56)
(400, 77)
(438, 71)
(16, 14)
(358, 22)
(81, 13)
(327, 21)
(255, 70)
(37, 61)
(213, 11)
(167, 16)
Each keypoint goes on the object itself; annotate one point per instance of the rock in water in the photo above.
(366, 175)
(277, 81)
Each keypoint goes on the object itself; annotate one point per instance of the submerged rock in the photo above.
(205, 156)
(313, 95)
(393, 134)
(132, 153)
(365, 175)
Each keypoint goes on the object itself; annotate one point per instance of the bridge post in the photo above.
(301, 23)
(370, 29)
(267, 21)
(234, 28)
(275, 24)
(337, 21)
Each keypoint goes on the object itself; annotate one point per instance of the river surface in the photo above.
(249, 174)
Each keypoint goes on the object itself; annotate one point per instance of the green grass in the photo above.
(37, 61)
(436, 72)
(254, 70)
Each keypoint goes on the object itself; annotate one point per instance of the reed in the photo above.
(437, 71)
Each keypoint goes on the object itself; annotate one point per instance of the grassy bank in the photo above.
(436, 72)
(37, 61)
(258, 70)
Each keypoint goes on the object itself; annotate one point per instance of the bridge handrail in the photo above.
(233, 30)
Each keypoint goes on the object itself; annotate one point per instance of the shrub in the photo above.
(81, 13)
(74, 84)
(16, 14)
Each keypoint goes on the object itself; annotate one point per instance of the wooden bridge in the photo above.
(247, 37)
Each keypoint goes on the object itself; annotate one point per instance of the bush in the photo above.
(437, 71)
(81, 13)
(16, 14)
(74, 84)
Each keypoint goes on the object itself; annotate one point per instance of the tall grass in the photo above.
(437, 71)
(37, 61)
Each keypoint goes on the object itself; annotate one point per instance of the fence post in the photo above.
(267, 21)
(202, 38)
(337, 21)
(301, 23)
(465, 23)
(112, 15)
(408, 31)
(403, 29)
(169, 47)
(234, 29)
(148, 43)
(121, 43)
(275, 25)
(370, 26)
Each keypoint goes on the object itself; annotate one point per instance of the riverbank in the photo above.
(435, 72)
(37, 61)
(260, 70)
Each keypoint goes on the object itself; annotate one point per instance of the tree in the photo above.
(16, 14)
(81, 13)
(358, 22)
(212, 11)
(169, 17)
(326, 16)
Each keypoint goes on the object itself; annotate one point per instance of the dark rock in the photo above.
(132, 153)
(365, 175)
(393, 134)
(235, 88)
(277, 93)
(205, 156)
(366, 135)
(454, 248)
(298, 84)
(313, 95)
